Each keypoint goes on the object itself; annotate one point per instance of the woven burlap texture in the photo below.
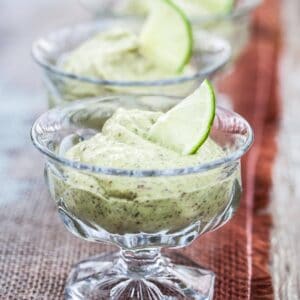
(37, 252)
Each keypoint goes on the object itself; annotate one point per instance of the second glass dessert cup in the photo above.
(233, 26)
(209, 55)
(141, 211)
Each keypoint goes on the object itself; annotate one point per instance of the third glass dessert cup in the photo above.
(209, 55)
(235, 27)
(140, 211)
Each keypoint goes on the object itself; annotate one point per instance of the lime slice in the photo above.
(186, 126)
(167, 38)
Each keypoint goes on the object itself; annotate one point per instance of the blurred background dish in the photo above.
(209, 55)
(232, 23)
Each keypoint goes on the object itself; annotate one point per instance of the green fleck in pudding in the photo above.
(132, 139)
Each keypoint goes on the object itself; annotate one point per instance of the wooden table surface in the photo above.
(285, 206)
(22, 98)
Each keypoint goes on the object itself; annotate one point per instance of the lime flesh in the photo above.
(166, 37)
(186, 126)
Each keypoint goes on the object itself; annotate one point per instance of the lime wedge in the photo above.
(186, 126)
(166, 37)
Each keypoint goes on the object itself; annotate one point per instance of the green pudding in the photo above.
(113, 55)
(120, 204)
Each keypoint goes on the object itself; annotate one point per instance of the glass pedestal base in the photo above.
(148, 275)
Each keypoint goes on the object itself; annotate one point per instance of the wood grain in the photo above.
(285, 206)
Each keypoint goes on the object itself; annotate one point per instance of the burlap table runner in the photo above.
(37, 252)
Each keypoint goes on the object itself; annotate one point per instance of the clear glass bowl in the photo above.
(209, 56)
(140, 211)
(232, 26)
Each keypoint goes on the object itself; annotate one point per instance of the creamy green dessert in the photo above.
(121, 204)
(115, 55)
(112, 55)
(155, 51)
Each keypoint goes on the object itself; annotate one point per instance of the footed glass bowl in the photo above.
(140, 211)
(210, 54)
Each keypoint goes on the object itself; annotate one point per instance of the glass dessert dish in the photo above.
(233, 25)
(62, 86)
(139, 210)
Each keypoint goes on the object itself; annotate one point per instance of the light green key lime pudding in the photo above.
(157, 51)
(142, 172)
(142, 140)
(128, 56)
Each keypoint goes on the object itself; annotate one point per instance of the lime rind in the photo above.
(167, 43)
(190, 35)
(211, 119)
(186, 126)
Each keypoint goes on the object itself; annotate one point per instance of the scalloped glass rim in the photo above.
(204, 72)
(231, 157)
